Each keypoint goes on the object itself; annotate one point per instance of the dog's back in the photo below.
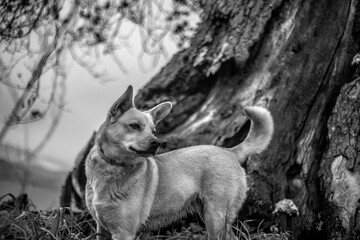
(194, 178)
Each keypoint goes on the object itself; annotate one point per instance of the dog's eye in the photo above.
(135, 126)
(154, 132)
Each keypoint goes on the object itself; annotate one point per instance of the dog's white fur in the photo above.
(130, 188)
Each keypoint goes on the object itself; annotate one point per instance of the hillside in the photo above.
(44, 180)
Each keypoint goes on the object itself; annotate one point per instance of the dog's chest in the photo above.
(113, 185)
(127, 190)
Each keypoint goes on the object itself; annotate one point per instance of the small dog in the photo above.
(129, 188)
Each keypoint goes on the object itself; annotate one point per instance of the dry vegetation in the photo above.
(19, 219)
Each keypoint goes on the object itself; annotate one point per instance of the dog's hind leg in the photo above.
(218, 220)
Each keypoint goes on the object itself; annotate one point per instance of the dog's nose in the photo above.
(155, 143)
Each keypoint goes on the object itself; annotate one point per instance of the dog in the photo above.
(130, 188)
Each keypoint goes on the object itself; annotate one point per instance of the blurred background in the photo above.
(100, 48)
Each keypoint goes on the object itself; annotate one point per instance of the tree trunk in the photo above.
(340, 165)
(291, 57)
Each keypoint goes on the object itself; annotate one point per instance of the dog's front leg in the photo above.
(121, 226)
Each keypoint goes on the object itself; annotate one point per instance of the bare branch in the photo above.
(54, 123)
(118, 62)
(26, 97)
(14, 117)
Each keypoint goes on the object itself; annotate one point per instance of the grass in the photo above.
(19, 219)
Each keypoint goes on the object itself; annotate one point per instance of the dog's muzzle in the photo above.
(155, 144)
(151, 150)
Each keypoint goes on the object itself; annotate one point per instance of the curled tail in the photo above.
(260, 134)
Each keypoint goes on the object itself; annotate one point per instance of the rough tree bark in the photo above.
(340, 165)
(292, 57)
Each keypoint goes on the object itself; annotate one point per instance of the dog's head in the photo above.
(128, 132)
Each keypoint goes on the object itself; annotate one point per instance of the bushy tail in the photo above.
(260, 134)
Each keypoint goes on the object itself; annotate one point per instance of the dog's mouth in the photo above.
(151, 151)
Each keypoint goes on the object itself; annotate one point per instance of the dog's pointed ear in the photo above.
(124, 103)
(160, 111)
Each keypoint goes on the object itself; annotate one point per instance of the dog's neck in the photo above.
(112, 161)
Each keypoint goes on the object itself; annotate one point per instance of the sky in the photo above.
(88, 101)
